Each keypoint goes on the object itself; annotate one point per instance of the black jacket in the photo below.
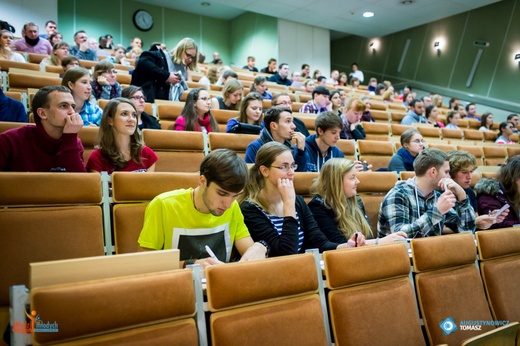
(151, 73)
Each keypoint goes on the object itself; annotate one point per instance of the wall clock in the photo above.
(143, 20)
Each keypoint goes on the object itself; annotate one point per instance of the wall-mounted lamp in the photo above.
(437, 45)
(373, 46)
(517, 57)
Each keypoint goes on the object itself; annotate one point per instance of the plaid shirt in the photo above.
(91, 114)
(419, 217)
(310, 107)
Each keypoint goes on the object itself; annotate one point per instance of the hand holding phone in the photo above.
(501, 210)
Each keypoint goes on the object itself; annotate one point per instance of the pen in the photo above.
(210, 252)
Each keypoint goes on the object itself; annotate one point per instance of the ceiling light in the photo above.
(368, 14)
(205, 4)
(407, 2)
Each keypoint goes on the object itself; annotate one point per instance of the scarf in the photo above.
(407, 157)
(98, 88)
(32, 42)
(203, 123)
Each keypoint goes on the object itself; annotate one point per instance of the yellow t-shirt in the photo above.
(172, 222)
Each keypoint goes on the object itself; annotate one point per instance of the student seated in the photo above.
(53, 144)
(274, 213)
(190, 219)
(418, 207)
(231, 96)
(321, 146)
(78, 81)
(196, 115)
(120, 145)
(337, 208)
(250, 117)
(279, 127)
(412, 143)
(104, 84)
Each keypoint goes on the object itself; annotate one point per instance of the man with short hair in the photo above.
(295, 79)
(280, 77)
(271, 67)
(279, 127)
(471, 112)
(216, 58)
(427, 101)
(322, 81)
(227, 75)
(250, 64)
(135, 43)
(50, 27)
(51, 145)
(415, 114)
(306, 71)
(356, 72)
(417, 207)
(209, 215)
(31, 42)
(319, 102)
(334, 76)
(462, 165)
(82, 50)
(282, 99)
(321, 146)
(513, 119)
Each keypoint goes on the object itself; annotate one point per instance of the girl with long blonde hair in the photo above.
(337, 209)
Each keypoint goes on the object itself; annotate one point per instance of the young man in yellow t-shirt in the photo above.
(190, 219)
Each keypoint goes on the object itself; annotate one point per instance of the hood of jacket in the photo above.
(488, 186)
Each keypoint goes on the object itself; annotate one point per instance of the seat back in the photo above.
(131, 193)
(376, 153)
(268, 301)
(233, 141)
(452, 133)
(380, 275)
(372, 188)
(120, 310)
(490, 136)
(473, 135)
(473, 150)
(513, 150)
(222, 117)
(380, 115)
(494, 155)
(449, 286)
(430, 132)
(45, 217)
(178, 151)
(441, 146)
(348, 148)
(302, 183)
(5, 65)
(499, 252)
(22, 82)
(376, 131)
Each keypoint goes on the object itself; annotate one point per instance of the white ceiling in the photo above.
(343, 17)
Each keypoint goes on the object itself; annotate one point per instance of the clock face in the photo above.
(143, 20)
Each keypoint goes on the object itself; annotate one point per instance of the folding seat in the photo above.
(303, 182)
(376, 131)
(233, 141)
(494, 155)
(376, 153)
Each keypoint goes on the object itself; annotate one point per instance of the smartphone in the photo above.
(501, 210)
(365, 166)
(178, 74)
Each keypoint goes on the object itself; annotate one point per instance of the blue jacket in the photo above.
(12, 110)
(315, 158)
(300, 156)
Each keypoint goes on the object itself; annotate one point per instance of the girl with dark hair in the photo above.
(412, 143)
(505, 131)
(250, 113)
(493, 194)
(274, 213)
(486, 124)
(432, 114)
(144, 120)
(120, 145)
(259, 85)
(196, 115)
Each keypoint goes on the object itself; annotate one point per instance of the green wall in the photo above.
(495, 82)
(254, 34)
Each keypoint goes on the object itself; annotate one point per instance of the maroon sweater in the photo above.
(30, 149)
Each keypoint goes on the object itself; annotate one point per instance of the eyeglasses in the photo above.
(419, 141)
(285, 168)
(111, 72)
(138, 97)
(284, 103)
(189, 56)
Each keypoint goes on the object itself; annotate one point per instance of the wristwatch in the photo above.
(268, 248)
